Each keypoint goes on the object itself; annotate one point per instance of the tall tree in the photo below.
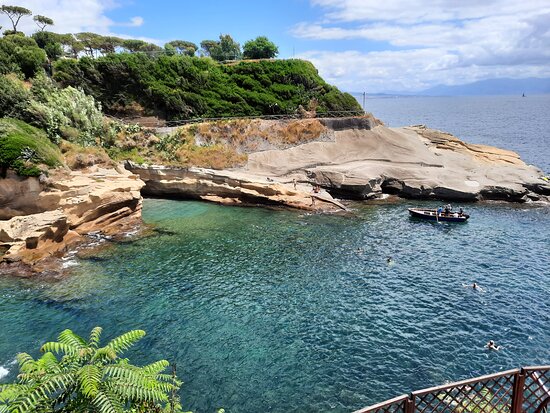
(91, 42)
(207, 46)
(42, 21)
(184, 47)
(15, 13)
(108, 44)
(228, 49)
(260, 48)
(133, 45)
(224, 49)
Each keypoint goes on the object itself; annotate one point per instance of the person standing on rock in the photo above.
(294, 183)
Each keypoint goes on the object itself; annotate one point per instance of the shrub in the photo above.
(89, 378)
(61, 110)
(14, 97)
(25, 148)
(177, 87)
(20, 54)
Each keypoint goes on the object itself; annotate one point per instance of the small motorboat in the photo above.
(435, 215)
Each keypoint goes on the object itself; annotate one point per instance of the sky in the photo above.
(357, 45)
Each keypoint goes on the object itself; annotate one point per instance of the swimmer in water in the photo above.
(492, 346)
(389, 260)
(474, 286)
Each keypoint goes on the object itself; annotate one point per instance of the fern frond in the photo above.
(156, 367)
(70, 338)
(106, 404)
(125, 341)
(89, 377)
(24, 359)
(95, 336)
(104, 354)
(57, 347)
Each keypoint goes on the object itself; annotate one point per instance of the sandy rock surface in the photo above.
(359, 160)
(58, 214)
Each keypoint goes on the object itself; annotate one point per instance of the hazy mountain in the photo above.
(529, 86)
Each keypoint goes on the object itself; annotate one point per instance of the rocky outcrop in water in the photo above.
(230, 188)
(358, 158)
(41, 219)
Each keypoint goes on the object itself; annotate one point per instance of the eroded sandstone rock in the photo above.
(70, 206)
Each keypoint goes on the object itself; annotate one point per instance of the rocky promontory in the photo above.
(354, 158)
(306, 164)
(42, 218)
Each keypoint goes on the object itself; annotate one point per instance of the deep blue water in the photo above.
(280, 311)
(511, 122)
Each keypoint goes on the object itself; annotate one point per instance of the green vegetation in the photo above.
(260, 48)
(65, 97)
(24, 148)
(15, 13)
(89, 378)
(181, 87)
(20, 55)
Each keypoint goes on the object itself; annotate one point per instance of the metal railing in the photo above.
(181, 122)
(318, 115)
(525, 390)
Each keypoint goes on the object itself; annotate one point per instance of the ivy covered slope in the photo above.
(181, 87)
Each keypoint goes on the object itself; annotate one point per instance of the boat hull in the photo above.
(431, 215)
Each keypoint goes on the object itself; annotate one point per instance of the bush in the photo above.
(75, 374)
(179, 87)
(20, 54)
(24, 148)
(14, 98)
(61, 112)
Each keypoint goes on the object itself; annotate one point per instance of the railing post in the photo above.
(409, 404)
(517, 395)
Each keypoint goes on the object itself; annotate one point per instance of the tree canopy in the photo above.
(42, 21)
(260, 48)
(224, 49)
(15, 13)
(183, 47)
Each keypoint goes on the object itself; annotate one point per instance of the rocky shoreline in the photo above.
(53, 216)
(42, 219)
(358, 159)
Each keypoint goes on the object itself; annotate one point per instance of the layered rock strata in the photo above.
(359, 159)
(42, 220)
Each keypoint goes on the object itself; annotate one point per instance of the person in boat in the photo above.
(448, 209)
(492, 346)
(439, 211)
(460, 211)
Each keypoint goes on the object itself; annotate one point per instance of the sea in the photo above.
(284, 311)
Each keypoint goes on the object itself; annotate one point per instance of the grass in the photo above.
(26, 149)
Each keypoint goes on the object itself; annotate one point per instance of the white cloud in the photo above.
(134, 22)
(441, 41)
(71, 16)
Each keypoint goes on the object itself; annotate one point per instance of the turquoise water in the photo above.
(280, 311)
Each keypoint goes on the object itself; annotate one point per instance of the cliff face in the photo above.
(358, 158)
(41, 220)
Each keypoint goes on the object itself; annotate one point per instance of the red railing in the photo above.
(525, 390)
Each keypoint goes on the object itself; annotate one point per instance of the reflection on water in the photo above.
(282, 311)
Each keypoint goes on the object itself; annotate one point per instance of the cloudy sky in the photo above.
(358, 45)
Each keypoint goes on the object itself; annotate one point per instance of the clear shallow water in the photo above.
(510, 122)
(285, 312)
